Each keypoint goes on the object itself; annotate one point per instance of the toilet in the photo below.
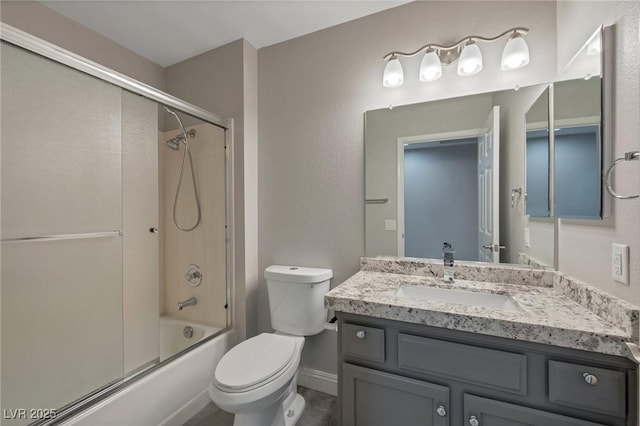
(256, 380)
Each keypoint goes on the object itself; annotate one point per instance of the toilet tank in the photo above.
(296, 298)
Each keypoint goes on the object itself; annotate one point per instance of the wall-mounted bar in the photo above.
(376, 201)
(61, 237)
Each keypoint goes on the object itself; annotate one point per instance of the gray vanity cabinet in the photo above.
(401, 374)
(489, 412)
(375, 398)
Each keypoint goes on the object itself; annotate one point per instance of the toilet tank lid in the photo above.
(300, 274)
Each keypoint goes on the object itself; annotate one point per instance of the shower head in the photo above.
(174, 143)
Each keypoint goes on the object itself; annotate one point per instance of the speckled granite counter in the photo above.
(555, 309)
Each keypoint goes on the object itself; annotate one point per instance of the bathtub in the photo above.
(170, 395)
(175, 335)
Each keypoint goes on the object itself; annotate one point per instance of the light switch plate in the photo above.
(390, 225)
(620, 263)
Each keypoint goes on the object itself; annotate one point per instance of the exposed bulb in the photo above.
(430, 67)
(515, 54)
(393, 75)
(470, 61)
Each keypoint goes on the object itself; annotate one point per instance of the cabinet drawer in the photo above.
(363, 342)
(505, 371)
(569, 385)
(489, 412)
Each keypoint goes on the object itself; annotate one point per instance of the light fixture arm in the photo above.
(456, 46)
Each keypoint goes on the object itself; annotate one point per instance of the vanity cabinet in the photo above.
(375, 398)
(396, 373)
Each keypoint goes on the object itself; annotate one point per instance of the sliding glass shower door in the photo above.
(61, 180)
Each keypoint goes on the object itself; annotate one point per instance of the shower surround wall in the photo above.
(205, 245)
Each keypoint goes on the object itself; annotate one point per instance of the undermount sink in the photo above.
(459, 297)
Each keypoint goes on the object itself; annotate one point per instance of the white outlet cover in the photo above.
(390, 225)
(620, 263)
(527, 237)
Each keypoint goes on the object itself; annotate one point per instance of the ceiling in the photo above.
(167, 32)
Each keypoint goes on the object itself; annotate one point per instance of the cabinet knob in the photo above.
(153, 230)
(590, 379)
(360, 334)
(473, 421)
(441, 411)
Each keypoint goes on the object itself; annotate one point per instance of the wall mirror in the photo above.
(577, 144)
(444, 171)
(455, 170)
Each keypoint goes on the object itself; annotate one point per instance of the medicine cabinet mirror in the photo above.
(566, 153)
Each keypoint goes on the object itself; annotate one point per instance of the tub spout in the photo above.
(190, 301)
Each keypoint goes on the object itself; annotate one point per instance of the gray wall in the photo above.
(441, 200)
(312, 93)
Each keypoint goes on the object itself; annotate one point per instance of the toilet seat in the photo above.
(255, 362)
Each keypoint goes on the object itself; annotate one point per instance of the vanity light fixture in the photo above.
(466, 53)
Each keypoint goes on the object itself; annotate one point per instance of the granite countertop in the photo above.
(554, 309)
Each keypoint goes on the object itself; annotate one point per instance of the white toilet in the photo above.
(256, 380)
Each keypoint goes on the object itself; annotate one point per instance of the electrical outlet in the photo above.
(620, 263)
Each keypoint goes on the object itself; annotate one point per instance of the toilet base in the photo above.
(285, 412)
(293, 413)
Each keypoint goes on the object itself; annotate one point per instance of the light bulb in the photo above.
(430, 67)
(393, 75)
(515, 54)
(470, 61)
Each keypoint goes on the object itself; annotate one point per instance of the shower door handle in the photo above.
(493, 247)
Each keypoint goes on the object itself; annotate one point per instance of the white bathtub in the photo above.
(173, 338)
(168, 396)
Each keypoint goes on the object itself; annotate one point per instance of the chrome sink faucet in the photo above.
(190, 301)
(447, 255)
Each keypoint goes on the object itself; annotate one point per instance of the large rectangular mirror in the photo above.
(444, 171)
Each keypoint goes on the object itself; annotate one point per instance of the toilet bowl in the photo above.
(256, 380)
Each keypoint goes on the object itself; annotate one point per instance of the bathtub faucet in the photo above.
(190, 301)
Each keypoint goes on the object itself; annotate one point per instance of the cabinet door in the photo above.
(375, 398)
(488, 412)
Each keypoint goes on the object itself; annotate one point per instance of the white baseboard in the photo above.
(188, 410)
(318, 380)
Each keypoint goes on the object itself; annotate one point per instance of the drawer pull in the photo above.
(360, 334)
(441, 411)
(590, 379)
(473, 421)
